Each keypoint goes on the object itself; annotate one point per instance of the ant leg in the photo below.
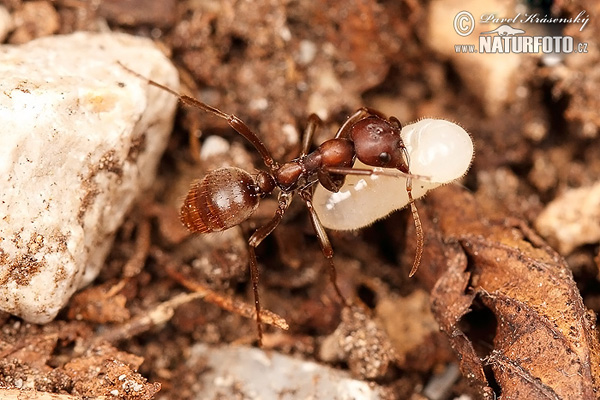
(326, 247)
(375, 171)
(418, 228)
(354, 118)
(257, 237)
(313, 122)
(413, 207)
(361, 113)
(237, 124)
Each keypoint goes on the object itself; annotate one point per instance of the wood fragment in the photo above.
(227, 303)
(17, 394)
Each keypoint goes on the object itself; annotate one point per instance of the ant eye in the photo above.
(385, 158)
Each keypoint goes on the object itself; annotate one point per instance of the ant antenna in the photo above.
(418, 229)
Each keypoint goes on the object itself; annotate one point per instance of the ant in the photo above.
(228, 196)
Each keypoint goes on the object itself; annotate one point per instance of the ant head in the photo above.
(377, 143)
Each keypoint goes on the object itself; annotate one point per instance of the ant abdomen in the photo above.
(223, 199)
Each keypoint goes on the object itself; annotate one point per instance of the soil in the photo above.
(475, 302)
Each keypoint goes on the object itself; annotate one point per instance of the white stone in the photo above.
(249, 373)
(572, 219)
(491, 77)
(81, 138)
(214, 146)
(5, 23)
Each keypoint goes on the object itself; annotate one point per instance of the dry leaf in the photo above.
(545, 343)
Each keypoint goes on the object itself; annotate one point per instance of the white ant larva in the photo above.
(436, 148)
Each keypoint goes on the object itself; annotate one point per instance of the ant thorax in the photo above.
(438, 149)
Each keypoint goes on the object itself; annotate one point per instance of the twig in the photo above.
(227, 303)
(16, 394)
(142, 246)
(156, 316)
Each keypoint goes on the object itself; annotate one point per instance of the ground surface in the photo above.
(508, 302)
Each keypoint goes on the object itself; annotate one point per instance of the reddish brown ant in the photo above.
(228, 196)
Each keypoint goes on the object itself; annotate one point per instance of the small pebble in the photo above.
(572, 219)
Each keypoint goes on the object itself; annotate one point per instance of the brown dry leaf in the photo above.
(105, 370)
(545, 344)
(29, 354)
(36, 361)
(100, 304)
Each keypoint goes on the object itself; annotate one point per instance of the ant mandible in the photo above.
(228, 196)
